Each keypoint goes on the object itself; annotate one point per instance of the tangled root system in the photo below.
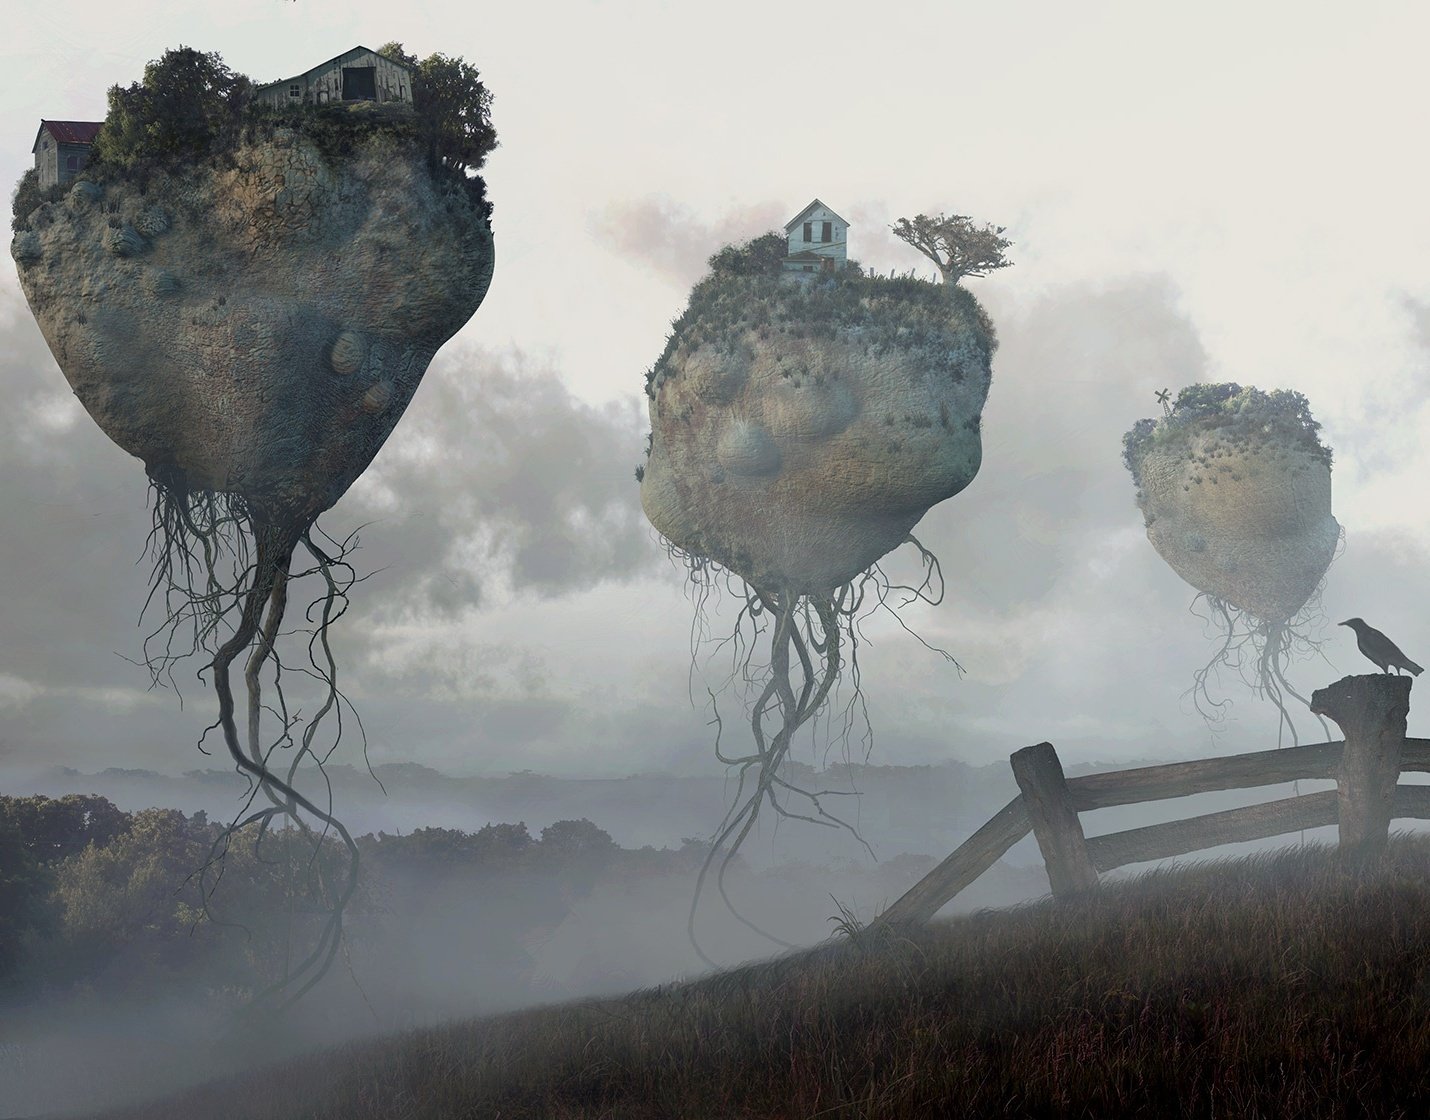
(221, 574)
(813, 646)
(1259, 652)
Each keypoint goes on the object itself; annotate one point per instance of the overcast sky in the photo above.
(1209, 192)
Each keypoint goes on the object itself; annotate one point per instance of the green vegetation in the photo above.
(744, 293)
(1243, 416)
(27, 197)
(760, 256)
(957, 246)
(103, 900)
(1278, 987)
(190, 109)
(454, 108)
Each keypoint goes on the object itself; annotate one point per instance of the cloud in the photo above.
(498, 484)
(500, 481)
(672, 239)
(520, 613)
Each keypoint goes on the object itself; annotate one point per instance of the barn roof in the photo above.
(789, 225)
(67, 132)
(319, 66)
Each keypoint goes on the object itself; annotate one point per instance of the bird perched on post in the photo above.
(1379, 648)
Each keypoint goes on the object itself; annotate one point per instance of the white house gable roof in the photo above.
(789, 225)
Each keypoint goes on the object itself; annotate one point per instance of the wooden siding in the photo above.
(835, 248)
(323, 84)
(52, 160)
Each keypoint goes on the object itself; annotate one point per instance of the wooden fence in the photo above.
(1371, 712)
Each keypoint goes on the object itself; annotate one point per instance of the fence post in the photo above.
(1055, 823)
(1371, 711)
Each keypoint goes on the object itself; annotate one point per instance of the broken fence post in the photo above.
(1371, 710)
(1055, 824)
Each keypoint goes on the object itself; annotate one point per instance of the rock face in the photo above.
(258, 328)
(1247, 522)
(798, 449)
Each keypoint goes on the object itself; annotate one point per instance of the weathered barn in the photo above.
(62, 149)
(359, 74)
(818, 238)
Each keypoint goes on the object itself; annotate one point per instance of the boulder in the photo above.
(257, 324)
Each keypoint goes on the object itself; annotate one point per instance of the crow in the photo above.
(1379, 648)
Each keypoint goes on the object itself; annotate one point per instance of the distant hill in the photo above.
(919, 810)
(924, 810)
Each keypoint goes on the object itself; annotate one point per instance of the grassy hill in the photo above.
(1284, 986)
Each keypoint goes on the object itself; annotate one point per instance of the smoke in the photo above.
(671, 239)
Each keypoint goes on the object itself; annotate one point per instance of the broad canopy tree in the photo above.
(955, 244)
(455, 106)
(187, 101)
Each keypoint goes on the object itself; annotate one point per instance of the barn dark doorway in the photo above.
(359, 83)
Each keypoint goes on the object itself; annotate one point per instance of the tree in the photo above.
(454, 106)
(187, 102)
(24, 899)
(576, 838)
(955, 244)
(52, 829)
(761, 255)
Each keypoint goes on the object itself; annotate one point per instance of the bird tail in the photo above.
(1415, 669)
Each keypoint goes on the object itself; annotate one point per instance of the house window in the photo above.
(295, 90)
(826, 232)
(808, 231)
(72, 163)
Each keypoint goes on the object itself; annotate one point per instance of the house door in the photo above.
(359, 83)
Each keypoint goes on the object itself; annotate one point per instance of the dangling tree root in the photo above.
(811, 633)
(223, 567)
(1259, 652)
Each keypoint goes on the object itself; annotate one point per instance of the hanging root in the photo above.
(223, 574)
(814, 639)
(1259, 652)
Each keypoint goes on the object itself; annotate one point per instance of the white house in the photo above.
(818, 238)
(359, 74)
(61, 149)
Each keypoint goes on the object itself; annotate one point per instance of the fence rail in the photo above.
(1371, 711)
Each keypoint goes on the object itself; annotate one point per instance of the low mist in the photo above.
(439, 935)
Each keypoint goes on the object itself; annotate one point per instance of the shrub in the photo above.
(884, 312)
(29, 196)
(1281, 416)
(757, 257)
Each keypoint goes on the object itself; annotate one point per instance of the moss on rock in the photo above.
(1235, 491)
(801, 428)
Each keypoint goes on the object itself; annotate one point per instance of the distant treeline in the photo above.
(94, 897)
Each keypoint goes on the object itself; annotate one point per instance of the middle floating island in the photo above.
(802, 424)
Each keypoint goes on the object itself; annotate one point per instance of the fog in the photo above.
(452, 945)
(1235, 195)
(449, 945)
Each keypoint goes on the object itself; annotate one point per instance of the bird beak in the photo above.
(1346, 623)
